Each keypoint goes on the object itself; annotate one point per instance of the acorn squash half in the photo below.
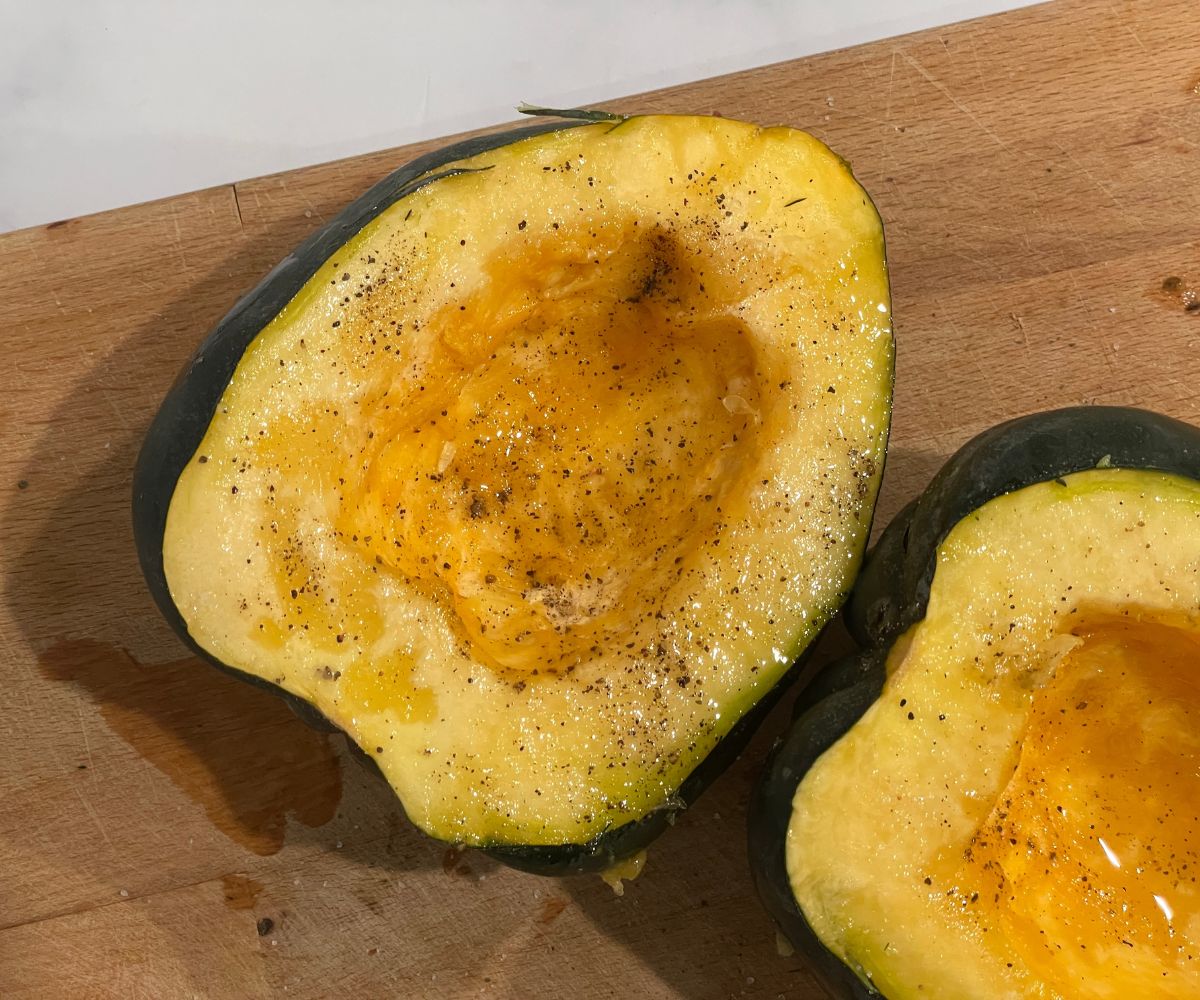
(537, 470)
(1000, 797)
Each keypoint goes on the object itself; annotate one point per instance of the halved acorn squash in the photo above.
(536, 471)
(1000, 797)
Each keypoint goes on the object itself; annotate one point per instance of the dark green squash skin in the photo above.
(891, 595)
(627, 840)
(180, 425)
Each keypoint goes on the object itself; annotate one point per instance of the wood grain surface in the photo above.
(168, 832)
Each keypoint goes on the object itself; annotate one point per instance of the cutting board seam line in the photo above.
(121, 900)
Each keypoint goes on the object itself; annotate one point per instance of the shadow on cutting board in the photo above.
(239, 755)
(75, 591)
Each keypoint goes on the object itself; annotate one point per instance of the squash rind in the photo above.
(892, 593)
(181, 423)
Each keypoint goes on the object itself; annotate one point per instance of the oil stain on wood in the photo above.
(241, 891)
(552, 908)
(1180, 292)
(237, 752)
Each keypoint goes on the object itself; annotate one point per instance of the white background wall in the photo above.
(111, 102)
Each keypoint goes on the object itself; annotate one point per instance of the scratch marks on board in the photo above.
(87, 744)
(1108, 349)
(110, 398)
(95, 816)
(986, 380)
(975, 58)
(312, 209)
(891, 85)
(237, 207)
(1082, 169)
(945, 91)
(1123, 20)
(1020, 324)
(179, 240)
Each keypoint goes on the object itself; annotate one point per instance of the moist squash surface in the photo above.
(547, 474)
(1001, 797)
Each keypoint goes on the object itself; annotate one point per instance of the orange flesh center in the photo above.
(578, 422)
(1091, 854)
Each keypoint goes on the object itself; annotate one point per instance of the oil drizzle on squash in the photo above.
(581, 420)
(1090, 857)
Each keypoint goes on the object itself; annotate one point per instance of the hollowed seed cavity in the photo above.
(578, 422)
(1094, 839)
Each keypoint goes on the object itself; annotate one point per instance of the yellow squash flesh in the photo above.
(544, 479)
(1025, 813)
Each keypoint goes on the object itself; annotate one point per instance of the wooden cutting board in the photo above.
(166, 831)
